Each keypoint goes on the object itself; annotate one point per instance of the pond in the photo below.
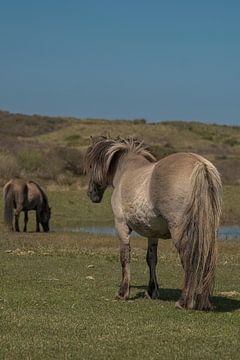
(225, 232)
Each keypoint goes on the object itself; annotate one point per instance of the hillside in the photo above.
(29, 144)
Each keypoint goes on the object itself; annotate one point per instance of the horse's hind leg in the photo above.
(25, 220)
(153, 290)
(208, 281)
(187, 299)
(188, 295)
(124, 233)
(17, 222)
(37, 221)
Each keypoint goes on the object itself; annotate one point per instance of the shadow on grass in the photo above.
(220, 303)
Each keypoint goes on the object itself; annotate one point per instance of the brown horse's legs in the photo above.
(17, 215)
(153, 290)
(37, 222)
(25, 220)
(124, 232)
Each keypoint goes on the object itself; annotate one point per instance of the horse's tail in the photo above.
(198, 233)
(8, 204)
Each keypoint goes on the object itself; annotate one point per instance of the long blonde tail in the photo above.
(198, 233)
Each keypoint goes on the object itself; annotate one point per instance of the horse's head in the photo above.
(95, 189)
(45, 217)
(95, 167)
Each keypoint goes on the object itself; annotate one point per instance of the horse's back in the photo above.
(16, 183)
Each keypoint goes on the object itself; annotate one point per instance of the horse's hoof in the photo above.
(121, 297)
(153, 296)
(179, 306)
(147, 296)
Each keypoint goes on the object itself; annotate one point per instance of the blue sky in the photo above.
(159, 60)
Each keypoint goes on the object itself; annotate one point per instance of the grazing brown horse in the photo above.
(25, 196)
(176, 197)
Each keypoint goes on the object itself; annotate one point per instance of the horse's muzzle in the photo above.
(96, 198)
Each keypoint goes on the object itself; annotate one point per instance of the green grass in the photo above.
(57, 302)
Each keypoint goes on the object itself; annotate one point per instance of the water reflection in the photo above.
(225, 232)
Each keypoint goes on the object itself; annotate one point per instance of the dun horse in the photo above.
(25, 196)
(176, 197)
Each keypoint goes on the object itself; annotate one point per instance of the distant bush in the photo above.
(9, 167)
(162, 151)
(27, 126)
(31, 160)
(61, 164)
(231, 142)
(72, 138)
(72, 160)
(139, 121)
(229, 169)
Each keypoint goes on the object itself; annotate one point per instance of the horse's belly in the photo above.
(149, 226)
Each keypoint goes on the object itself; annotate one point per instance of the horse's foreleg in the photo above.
(153, 290)
(17, 215)
(124, 233)
(25, 220)
(37, 221)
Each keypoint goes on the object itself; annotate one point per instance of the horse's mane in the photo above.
(103, 154)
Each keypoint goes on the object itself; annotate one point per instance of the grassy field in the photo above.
(57, 302)
(57, 297)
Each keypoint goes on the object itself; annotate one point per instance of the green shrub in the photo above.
(9, 167)
(31, 160)
(162, 151)
(72, 138)
(231, 142)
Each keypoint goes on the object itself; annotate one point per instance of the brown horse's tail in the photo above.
(8, 204)
(198, 233)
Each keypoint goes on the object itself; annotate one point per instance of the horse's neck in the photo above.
(127, 164)
(44, 200)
